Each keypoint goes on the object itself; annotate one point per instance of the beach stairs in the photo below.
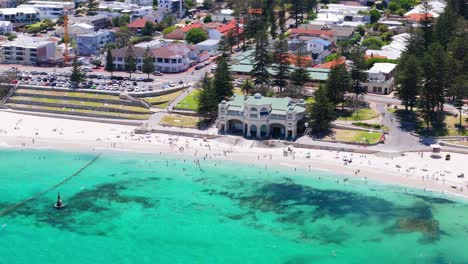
(10, 93)
(78, 103)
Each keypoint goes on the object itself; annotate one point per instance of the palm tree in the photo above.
(247, 86)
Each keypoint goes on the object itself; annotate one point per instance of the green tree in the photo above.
(358, 72)
(223, 47)
(373, 43)
(148, 64)
(196, 35)
(92, 6)
(77, 75)
(409, 75)
(110, 67)
(261, 61)
(207, 19)
(124, 20)
(130, 64)
(426, 24)
(446, 26)
(222, 80)
(247, 86)
(97, 63)
(298, 11)
(300, 75)
(374, 15)
(322, 111)
(231, 39)
(148, 29)
(122, 36)
(361, 30)
(338, 83)
(282, 19)
(207, 101)
(280, 60)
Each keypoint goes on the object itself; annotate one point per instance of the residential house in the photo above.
(92, 43)
(319, 48)
(436, 7)
(6, 27)
(337, 13)
(224, 16)
(140, 2)
(170, 7)
(224, 30)
(28, 50)
(23, 15)
(171, 58)
(49, 9)
(393, 50)
(75, 30)
(97, 21)
(262, 117)
(179, 33)
(137, 25)
(381, 78)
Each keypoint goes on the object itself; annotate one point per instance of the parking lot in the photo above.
(93, 81)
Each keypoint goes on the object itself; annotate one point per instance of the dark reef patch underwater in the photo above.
(136, 208)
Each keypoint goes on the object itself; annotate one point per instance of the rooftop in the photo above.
(189, 27)
(278, 105)
(23, 9)
(28, 42)
(139, 23)
(382, 68)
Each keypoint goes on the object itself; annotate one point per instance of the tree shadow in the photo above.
(408, 120)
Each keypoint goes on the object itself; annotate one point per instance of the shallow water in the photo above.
(138, 208)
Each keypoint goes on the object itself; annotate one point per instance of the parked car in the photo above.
(157, 73)
(199, 66)
(171, 84)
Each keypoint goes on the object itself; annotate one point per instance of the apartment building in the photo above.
(92, 43)
(28, 50)
(21, 14)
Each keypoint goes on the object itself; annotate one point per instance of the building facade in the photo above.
(262, 117)
(92, 43)
(381, 78)
(6, 27)
(28, 51)
(24, 15)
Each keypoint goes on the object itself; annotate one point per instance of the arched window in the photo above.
(253, 109)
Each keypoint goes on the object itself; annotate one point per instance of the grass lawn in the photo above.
(190, 102)
(64, 110)
(180, 120)
(448, 128)
(362, 114)
(71, 94)
(162, 101)
(97, 105)
(356, 136)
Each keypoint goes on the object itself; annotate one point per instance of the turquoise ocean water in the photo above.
(139, 208)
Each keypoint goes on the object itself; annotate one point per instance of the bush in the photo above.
(331, 57)
(168, 30)
(373, 43)
(136, 40)
(366, 125)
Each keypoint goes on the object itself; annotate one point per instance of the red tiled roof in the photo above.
(331, 64)
(139, 23)
(374, 56)
(316, 32)
(257, 11)
(231, 26)
(417, 17)
(189, 27)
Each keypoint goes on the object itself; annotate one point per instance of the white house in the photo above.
(21, 14)
(317, 45)
(28, 50)
(6, 27)
(381, 78)
(50, 9)
(209, 45)
(140, 2)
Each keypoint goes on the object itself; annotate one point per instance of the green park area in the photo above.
(180, 120)
(162, 101)
(359, 115)
(354, 136)
(190, 102)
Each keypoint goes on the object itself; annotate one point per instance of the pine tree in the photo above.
(92, 6)
(282, 19)
(77, 76)
(446, 26)
(298, 11)
(261, 61)
(222, 80)
(425, 24)
(322, 111)
(280, 60)
(271, 18)
(110, 67)
(300, 76)
(148, 63)
(338, 83)
(130, 61)
(207, 101)
(358, 72)
(409, 80)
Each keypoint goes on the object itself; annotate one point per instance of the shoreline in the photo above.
(75, 135)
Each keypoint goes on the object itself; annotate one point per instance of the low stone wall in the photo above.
(157, 93)
(70, 114)
(180, 112)
(106, 109)
(350, 127)
(362, 151)
(441, 137)
(445, 143)
(176, 133)
(349, 143)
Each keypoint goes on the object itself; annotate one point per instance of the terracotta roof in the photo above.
(331, 64)
(231, 26)
(212, 25)
(189, 27)
(374, 56)
(316, 32)
(139, 23)
(417, 17)
(292, 60)
(257, 11)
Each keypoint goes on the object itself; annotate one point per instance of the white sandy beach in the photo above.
(412, 169)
